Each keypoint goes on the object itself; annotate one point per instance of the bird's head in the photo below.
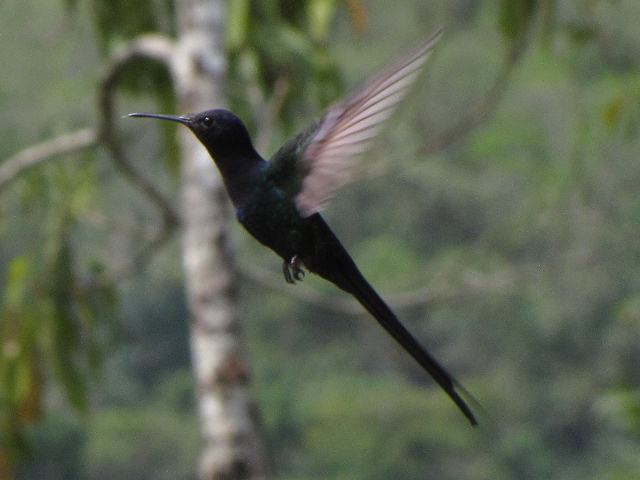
(219, 130)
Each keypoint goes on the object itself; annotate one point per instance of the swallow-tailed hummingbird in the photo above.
(279, 201)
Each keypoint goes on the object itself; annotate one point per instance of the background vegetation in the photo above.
(512, 250)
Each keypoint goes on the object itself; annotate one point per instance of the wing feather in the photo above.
(348, 129)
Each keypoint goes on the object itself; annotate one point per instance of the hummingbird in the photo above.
(279, 201)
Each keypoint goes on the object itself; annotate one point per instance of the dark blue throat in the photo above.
(242, 173)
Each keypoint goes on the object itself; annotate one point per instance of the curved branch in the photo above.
(152, 47)
(271, 280)
(144, 255)
(471, 119)
(486, 106)
(34, 155)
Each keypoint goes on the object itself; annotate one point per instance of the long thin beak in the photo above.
(183, 119)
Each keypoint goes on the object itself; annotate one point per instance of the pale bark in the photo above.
(233, 448)
(17, 164)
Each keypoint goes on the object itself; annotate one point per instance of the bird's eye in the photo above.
(207, 121)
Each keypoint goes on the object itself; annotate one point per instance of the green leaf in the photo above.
(515, 16)
(64, 325)
(320, 13)
(28, 387)
(294, 42)
(613, 112)
(70, 5)
(16, 282)
(582, 34)
(239, 19)
(116, 20)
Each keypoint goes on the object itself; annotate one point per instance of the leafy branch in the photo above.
(154, 47)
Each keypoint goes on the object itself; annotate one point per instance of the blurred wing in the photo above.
(347, 130)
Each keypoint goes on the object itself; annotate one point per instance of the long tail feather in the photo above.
(371, 301)
(332, 262)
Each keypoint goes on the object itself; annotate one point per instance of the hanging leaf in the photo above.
(96, 311)
(292, 43)
(16, 282)
(277, 41)
(622, 113)
(70, 5)
(117, 20)
(613, 112)
(515, 16)
(238, 24)
(358, 14)
(63, 325)
(320, 13)
(20, 369)
(28, 387)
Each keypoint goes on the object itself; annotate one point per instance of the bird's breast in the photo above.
(274, 221)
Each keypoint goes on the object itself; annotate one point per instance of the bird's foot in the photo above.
(292, 270)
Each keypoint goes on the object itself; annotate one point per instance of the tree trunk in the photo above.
(233, 448)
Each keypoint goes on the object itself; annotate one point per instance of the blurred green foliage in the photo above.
(528, 228)
(516, 15)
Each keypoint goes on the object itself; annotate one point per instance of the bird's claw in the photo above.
(292, 270)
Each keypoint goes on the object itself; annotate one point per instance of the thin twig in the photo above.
(152, 47)
(472, 118)
(161, 49)
(272, 281)
(485, 107)
(472, 284)
(37, 154)
(144, 255)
